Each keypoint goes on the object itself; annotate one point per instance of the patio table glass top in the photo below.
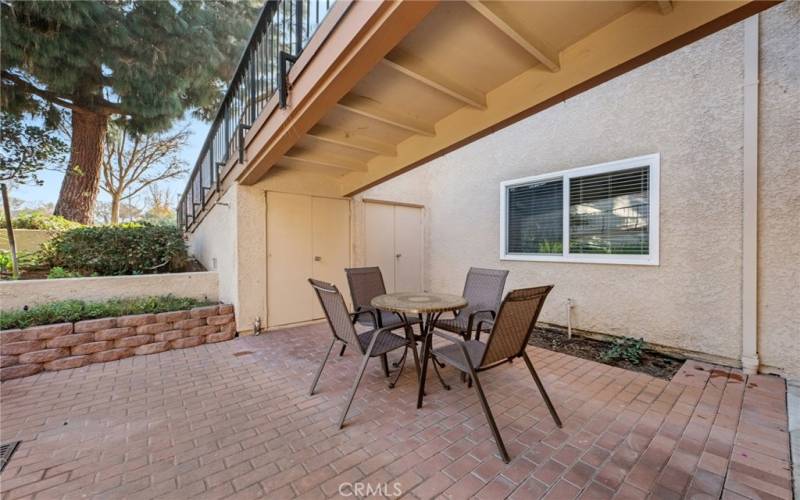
(418, 302)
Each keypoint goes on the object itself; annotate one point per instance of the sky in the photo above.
(48, 192)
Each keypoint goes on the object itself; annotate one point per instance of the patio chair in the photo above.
(365, 284)
(372, 343)
(508, 339)
(483, 290)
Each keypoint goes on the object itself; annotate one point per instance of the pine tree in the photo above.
(141, 63)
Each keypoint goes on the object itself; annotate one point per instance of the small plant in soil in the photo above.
(629, 354)
(626, 348)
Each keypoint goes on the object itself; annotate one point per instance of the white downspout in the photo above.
(750, 360)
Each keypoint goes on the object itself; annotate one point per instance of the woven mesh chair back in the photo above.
(365, 283)
(484, 288)
(336, 312)
(514, 324)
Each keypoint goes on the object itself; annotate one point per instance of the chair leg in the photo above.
(399, 373)
(411, 345)
(385, 365)
(321, 366)
(353, 390)
(489, 417)
(541, 389)
(341, 353)
(423, 373)
(464, 375)
(407, 326)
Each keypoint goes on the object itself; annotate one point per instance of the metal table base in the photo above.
(427, 324)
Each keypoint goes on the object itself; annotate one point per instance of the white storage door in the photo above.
(307, 237)
(394, 242)
(330, 237)
(408, 249)
(380, 241)
(289, 259)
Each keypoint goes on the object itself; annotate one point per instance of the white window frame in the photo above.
(653, 161)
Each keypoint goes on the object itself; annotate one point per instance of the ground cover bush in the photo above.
(25, 259)
(40, 221)
(134, 248)
(78, 310)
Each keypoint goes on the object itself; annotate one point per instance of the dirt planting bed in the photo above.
(651, 362)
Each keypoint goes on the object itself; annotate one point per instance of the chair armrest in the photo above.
(354, 316)
(489, 324)
(471, 320)
(449, 337)
(458, 342)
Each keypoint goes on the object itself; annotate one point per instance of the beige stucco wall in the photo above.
(214, 245)
(17, 294)
(686, 106)
(779, 189)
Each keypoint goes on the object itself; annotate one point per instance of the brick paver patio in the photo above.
(234, 420)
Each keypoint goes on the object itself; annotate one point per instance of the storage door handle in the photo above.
(317, 258)
(398, 255)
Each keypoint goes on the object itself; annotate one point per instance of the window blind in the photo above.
(610, 213)
(535, 218)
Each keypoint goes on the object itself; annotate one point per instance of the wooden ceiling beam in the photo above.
(344, 139)
(313, 160)
(371, 109)
(435, 81)
(550, 61)
(351, 40)
(630, 41)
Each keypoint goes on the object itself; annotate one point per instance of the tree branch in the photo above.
(104, 107)
(44, 94)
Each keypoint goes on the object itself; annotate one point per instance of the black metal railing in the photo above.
(283, 29)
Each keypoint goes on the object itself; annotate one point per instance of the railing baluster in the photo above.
(279, 29)
(252, 86)
(298, 26)
(227, 136)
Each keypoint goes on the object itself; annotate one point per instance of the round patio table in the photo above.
(428, 306)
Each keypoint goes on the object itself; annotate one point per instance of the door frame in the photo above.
(393, 203)
(265, 323)
(423, 231)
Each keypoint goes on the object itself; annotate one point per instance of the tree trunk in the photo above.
(82, 180)
(115, 202)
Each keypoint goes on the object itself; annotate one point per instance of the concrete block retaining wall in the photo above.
(28, 351)
(20, 293)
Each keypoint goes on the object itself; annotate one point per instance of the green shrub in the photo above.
(625, 348)
(78, 310)
(116, 250)
(59, 272)
(36, 220)
(6, 263)
(26, 260)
